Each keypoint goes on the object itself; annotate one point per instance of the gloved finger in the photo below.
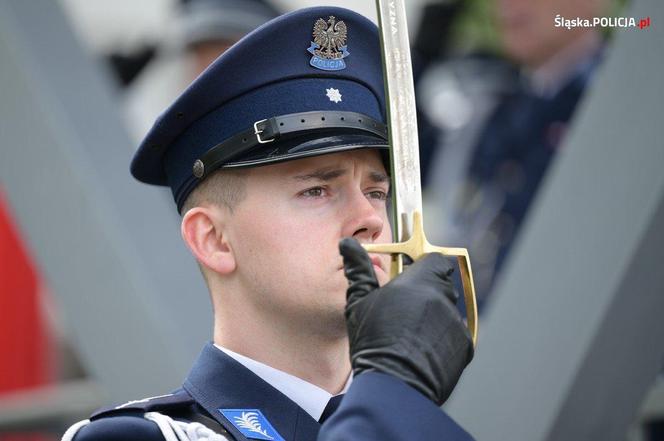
(358, 269)
(436, 270)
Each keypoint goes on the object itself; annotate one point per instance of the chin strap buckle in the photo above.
(258, 132)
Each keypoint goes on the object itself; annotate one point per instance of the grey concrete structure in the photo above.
(135, 306)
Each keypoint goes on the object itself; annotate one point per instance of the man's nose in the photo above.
(363, 220)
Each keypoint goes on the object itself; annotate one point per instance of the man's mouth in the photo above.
(375, 261)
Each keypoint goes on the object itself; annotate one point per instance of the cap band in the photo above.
(280, 127)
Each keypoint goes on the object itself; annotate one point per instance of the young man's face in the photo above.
(285, 234)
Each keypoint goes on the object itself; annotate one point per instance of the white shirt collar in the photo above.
(311, 398)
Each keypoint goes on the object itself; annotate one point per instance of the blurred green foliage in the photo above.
(475, 28)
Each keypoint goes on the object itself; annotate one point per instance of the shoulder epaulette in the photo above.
(161, 403)
(149, 418)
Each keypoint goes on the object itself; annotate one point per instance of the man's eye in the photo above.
(314, 192)
(377, 194)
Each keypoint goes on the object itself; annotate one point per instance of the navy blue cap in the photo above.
(306, 83)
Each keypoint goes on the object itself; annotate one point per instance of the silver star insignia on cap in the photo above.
(333, 94)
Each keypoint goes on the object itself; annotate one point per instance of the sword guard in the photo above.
(416, 247)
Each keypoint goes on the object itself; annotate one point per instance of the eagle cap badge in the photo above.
(329, 46)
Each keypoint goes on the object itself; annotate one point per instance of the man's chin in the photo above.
(332, 321)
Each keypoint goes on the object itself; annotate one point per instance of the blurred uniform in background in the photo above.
(492, 125)
(202, 30)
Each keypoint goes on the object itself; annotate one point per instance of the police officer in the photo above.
(276, 159)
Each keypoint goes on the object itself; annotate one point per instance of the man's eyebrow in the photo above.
(378, 177)
(324, 174)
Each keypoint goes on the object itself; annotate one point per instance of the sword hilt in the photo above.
(417, 247)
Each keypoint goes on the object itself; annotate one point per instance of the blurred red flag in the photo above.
(25, 358)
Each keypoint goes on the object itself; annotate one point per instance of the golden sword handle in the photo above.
(417, 247)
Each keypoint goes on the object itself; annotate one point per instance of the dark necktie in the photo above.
(330, 408)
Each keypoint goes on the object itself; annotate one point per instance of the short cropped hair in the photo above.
(224, 187)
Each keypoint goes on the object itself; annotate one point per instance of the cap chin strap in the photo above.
(282, 127)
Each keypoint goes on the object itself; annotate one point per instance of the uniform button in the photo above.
(199, 168)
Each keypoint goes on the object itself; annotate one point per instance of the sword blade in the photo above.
(401, 115)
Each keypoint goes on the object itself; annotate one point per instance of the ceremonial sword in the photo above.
(405, 158)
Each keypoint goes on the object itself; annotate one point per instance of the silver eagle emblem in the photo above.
(331, 37)
(329, 44)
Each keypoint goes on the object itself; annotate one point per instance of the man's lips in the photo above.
(375, 260)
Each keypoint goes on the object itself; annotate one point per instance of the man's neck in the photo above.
(321, 361)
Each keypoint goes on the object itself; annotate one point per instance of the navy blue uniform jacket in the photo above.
(376, 407)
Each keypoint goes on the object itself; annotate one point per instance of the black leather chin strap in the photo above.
(279, 127)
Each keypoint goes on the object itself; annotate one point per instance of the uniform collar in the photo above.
(217, 381)
(308, 396)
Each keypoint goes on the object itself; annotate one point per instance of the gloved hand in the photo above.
(410, 328)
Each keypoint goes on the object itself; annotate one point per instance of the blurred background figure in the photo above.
(203, 30)
(492, 124)
(209, 27)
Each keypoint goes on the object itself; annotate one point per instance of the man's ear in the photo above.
(202, 231)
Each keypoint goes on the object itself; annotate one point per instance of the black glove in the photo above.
(410, 328)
